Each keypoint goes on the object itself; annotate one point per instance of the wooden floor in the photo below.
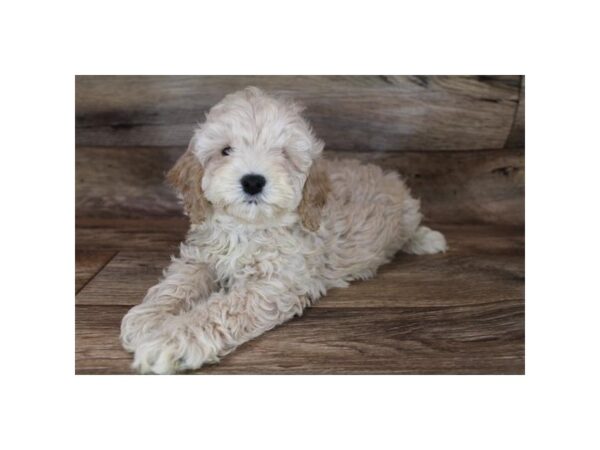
(457, 313)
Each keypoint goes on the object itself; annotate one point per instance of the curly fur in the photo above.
(249, 264)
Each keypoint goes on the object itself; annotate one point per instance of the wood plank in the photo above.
(434, 281)
(115, 182)
(88, 263)
(516, 137)
(121, 234)
(483, 264)
(467, 186)
(385, 113)
(97, 346)
(126, 279)
(485, 339)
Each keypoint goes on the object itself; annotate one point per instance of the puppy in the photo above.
(273, 227)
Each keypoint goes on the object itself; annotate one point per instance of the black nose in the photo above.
(253, 184)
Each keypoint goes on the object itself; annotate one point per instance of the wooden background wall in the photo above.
(458, 140)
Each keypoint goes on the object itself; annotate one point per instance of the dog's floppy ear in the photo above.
(186, 178)
(314, 196)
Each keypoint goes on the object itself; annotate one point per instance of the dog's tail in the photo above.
(425, 241)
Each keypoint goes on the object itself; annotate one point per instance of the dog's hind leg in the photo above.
(425, 241)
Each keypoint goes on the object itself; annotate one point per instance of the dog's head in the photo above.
(255, 158)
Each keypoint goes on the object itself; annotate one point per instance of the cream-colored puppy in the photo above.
(273, 226)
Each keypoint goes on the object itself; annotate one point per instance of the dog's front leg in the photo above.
(216, 327)
(185, 282)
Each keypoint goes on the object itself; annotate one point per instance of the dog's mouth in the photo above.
(254, 209)
(252, 201)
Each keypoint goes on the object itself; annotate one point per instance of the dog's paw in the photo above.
(142, 323)
(156, 356)
(426, 241)
(173, 351)
(134, 329)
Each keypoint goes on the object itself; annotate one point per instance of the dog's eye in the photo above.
(226, 151)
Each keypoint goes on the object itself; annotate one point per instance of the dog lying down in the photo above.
(273, 227)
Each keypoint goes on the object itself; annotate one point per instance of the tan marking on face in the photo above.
(186, 177)
(314, 196)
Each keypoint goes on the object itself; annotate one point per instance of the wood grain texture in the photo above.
(516, 137)
(385, 113)
(462, 312)
(118, 234)
(88, 263)
(126, 279)
(484, 339)
(466, 186)
(115, 182)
